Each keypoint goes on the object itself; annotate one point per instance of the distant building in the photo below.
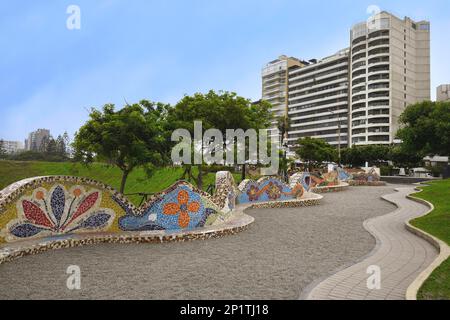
(35, 139)
(436, 161)
(12, 147)
(275, 82)
(443, 92)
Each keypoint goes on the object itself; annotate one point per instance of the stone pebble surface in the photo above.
(283, 252)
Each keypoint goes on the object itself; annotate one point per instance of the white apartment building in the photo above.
(318, 100)
(12, 147)
(443, 92)
(275, 84)
(356, 96)
(35, 139)
(389, 70)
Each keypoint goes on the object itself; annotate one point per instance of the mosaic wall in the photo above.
(226, 191)
(310, 181)
(180, 207)
(370, 176)
(267, 190)
(51, 206)
(55, 206)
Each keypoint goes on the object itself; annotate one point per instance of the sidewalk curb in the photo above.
(441, 246)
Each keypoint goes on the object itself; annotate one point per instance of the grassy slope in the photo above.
(437, 223)
(12, 171)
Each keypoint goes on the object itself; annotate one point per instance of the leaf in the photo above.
(58, 202)
(34, 214)
(95, 221)
(85, 205)
(25, 230)
(208, 213)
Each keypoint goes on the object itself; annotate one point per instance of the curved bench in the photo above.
(44, 213)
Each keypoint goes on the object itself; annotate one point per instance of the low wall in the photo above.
(43, 213)
(404, 180)
(268, 189)
(59, 205)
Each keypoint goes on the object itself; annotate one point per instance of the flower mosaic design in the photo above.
(59, 212)
(274, 190)
(253, 193)
(182, 208)
(179, 208)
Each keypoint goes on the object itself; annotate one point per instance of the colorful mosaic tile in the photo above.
(268, 189)
(182, 208)
(49, 207)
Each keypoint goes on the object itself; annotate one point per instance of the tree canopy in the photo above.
(127, 138)
(426, 128)
(315, 151)
(222, 111)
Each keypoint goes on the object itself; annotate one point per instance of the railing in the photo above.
(144, 196)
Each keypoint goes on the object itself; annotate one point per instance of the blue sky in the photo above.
(160, 50)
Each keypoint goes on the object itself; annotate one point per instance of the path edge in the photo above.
(441, 246)
(305, 294)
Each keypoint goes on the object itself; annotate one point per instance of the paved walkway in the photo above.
(400, 255)
(279, 256)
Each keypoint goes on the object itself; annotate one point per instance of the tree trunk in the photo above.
(200, 177)
(243, 174)
(124, 181)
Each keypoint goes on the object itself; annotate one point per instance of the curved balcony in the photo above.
(379, 139)
(379, 64)
(357, 135)
(359, 49)
(378, 72)
(359, 118)
(378, 33)
(384, 40)
(361, 77)
(378, 92)
(378, 78)
(358, 89)
(375, 52)
(358, 40)
(359, 66)
(359, 57)
(358, 97)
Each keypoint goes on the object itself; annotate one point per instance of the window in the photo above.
(424, 27)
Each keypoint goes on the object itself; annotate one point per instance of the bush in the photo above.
(37, 156)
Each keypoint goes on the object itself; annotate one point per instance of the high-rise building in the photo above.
(389, 69)
(443, 92)
(318, 100)
(34, 141)
(275, 84)
(356, 96)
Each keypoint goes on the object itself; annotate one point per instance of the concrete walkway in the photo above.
(399, 254)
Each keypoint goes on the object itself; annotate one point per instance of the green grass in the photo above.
(437, 223)
(12, 171)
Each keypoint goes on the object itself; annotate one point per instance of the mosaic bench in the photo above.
(43, 213)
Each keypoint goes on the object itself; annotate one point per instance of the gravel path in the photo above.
(281, 253)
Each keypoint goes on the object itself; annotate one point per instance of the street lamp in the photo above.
(339, 136)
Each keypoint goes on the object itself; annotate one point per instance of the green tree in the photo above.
(3, 153)
(222, 111)
(359, 155)
(315, 151)
(402, 158)
(131, 137)
(426, 128)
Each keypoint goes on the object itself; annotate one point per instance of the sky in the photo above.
(128, 50)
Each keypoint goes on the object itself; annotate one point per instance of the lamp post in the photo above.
(339, 136)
